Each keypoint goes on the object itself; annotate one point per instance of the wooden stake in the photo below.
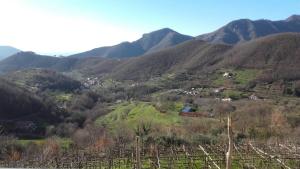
(209, 157)
(157, 157)
(259, 151)
(230, 143)
(138, 153)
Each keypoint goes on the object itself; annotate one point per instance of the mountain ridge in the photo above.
(149, 42)
(277, 55)
(243, 30)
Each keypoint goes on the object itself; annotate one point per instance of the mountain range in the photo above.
(279, 53)
(235, 32)
(166, 51)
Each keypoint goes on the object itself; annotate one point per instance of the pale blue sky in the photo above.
(49, 26)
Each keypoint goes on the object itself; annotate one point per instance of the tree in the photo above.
(297, 89)
(223, 108)
(279, 124)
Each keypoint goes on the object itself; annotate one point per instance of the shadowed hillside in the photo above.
(21, 112)
(190, 55)
(279, 55)
(28, 60)
(40, 79)
(25, 60)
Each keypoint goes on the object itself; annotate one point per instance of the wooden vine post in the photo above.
(208, 158)
(157, 157)
(230, 142)
(138, 153)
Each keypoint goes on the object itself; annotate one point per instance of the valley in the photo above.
(163, 96)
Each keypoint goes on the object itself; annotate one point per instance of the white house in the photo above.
(253, 97)
(226, 100)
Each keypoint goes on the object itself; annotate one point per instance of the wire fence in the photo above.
(197, 157)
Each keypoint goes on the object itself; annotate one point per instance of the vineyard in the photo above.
(245, 156)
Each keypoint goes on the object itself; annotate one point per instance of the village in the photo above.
(202, 99)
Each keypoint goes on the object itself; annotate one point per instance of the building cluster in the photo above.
(92, 81)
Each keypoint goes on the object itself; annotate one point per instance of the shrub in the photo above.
(169, 141)
(202, 139)
(51, 148)
(297, 89)
(294, 120)
(66, 129)
(85, 101)
(240, 137)
(92, 137)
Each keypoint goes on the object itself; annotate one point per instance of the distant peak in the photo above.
(293, 18)
(243, 20)
(160, 31)
(29, 52)
(240, 21)
(26, 53)
(164, 30)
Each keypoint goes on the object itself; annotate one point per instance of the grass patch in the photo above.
(219, 80)
(244, 76)
(63, 97)
(63, 142)
(34, 141)
(134, 113)
(233, 94)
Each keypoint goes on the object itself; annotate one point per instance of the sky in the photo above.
(68, 26)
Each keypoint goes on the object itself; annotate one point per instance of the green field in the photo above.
(241, 77)
(135, 112)
(245, 76)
